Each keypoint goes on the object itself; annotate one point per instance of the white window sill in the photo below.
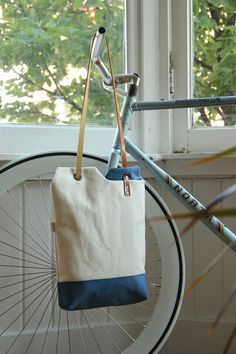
(19, 141)
(183, 156)
(180, 165)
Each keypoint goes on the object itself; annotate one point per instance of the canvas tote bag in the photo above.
(99, 229)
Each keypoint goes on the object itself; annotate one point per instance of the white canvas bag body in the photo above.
(100, 239)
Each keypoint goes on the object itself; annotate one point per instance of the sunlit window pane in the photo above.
(214, 59)
(44, 49)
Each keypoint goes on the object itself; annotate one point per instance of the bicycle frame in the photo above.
(130, 104)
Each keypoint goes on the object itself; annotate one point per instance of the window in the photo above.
(44, 53)
(160, 48)
(214, 27)
(187, 138)
(158, 37)
(44, 49)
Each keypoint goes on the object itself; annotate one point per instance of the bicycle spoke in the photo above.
(29, 221)
(44, 198)
(58, 329)
(107, 332)
(80, 333)
(25, 232)
(39, 217)
(68, 331)
(23, 260)
(131, 317)
(145, 307)
(20, 301)
(21, 281)
(49, 322)
(22, 311)
(41, 318)
(46, 260)
(20, 291)
(23, 267)
(25, 274)
(91, 331)
(30, 316)
(119, 325)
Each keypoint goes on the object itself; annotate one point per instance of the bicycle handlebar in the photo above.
(96, 49)
(107, 79)
(97, 44)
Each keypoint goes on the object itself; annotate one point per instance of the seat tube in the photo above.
(126, 113)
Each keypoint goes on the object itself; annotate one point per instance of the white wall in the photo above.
(201, 246)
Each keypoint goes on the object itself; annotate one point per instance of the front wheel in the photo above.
(31, 321)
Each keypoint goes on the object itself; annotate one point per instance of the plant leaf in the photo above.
(217, 199)
(216, 212)
(214, 157)
(222, 311)
(207, 269)
(230, 341)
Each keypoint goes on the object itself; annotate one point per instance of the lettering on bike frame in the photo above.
(201, 100)
(194, 204)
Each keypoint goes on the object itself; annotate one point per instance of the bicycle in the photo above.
(31, 321)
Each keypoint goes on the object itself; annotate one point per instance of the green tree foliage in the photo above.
(44, 50)
(215, 57)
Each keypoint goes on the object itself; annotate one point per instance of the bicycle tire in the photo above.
(31, 321)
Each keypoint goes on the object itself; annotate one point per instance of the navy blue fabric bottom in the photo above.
(80, 295)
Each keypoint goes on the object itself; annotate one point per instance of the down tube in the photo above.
(181, 194)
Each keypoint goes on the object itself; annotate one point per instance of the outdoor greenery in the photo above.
(215, 58)
(44, 51)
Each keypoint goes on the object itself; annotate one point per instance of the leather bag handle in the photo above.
(79, 162)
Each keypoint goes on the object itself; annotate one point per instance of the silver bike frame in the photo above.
(130, 105)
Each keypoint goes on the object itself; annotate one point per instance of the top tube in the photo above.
(184, 103)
